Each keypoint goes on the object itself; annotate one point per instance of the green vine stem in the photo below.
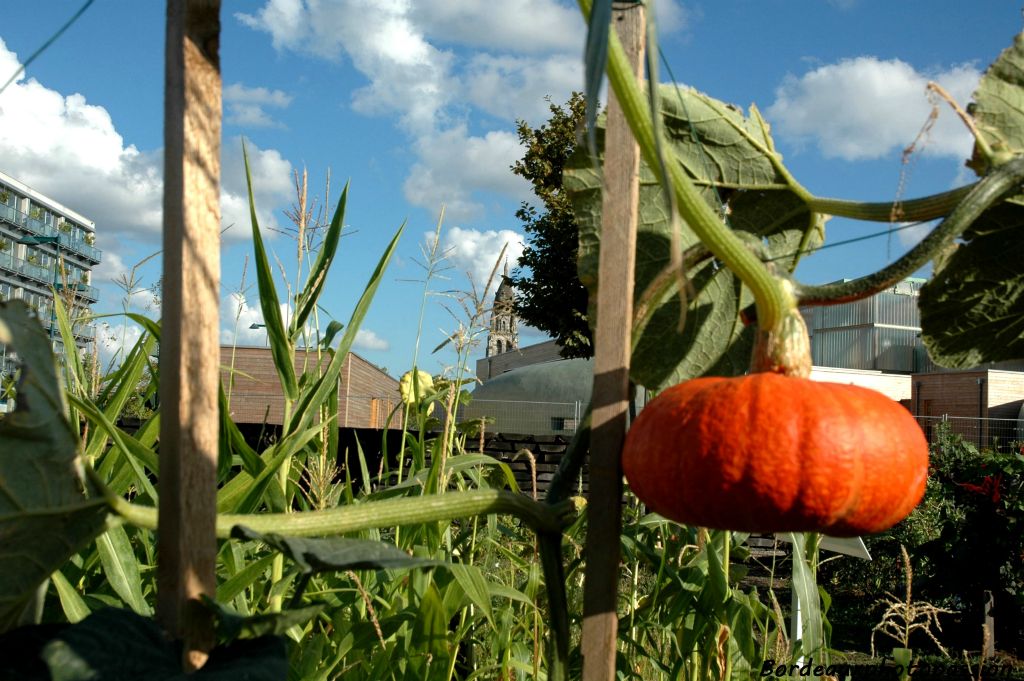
(772, 300)
(912, 210)
(981, 196)
(539, 516)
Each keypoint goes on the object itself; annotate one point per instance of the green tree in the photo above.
(550, 296)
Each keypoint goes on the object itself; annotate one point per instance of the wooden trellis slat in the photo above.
(189, 344)
(611, 369)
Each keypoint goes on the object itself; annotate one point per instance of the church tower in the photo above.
(503, 334)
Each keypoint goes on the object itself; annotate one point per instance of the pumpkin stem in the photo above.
(785, 348)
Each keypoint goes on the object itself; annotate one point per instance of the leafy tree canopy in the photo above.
(550, 296)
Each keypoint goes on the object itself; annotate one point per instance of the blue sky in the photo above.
(415, 102)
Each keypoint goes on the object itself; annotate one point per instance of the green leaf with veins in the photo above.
(45, 515)
(998, 107)
(118, 644)
(733, 157)
(972, 310)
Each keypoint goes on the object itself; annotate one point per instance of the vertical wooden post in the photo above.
(189, 348)
(988, 649)
(611, 369)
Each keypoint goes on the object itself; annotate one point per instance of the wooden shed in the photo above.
(367, 395)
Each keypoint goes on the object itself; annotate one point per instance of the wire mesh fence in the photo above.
(1000, 434)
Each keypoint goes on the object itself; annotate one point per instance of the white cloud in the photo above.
(71, 150)
(111, 269)
(865, 108)
(247, 105)
(513, 87)
(474, 251)
(453, 161)
(520, 25)
(408, 75)
(368, 340)
(271, 182)
(533, 50)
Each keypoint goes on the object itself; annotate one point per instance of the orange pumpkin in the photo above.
(773, 453)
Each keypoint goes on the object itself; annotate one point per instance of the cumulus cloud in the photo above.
(475, 251)
(524, 50)
(866, 108)
(453, 161)
(368, 340)
(513, 87)
(519, 25)
(247, 106)
(71, 150)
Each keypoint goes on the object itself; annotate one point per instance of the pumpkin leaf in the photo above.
(972, 310)
(119, 644)
(732, 157)
(998, 107)
(45, 515)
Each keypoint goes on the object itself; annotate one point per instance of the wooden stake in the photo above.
(189, 348)
(619, 206)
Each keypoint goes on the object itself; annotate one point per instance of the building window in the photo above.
(562, 423)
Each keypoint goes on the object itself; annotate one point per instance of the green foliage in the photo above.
(552, 298)
(45, 514)
(117, 644)
(732, 159)
(963, 539)
(972, 311)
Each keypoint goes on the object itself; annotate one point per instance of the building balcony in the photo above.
(90, 253)
(38, 227)
(26, 269)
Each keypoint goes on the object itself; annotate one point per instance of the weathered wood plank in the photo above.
(189, 347)
(611, 369)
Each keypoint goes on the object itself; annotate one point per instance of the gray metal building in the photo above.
(881, 333)
(45, 246)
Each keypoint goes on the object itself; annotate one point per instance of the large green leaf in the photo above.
(118, 644)
(45, 516)
(733, 158)
(998, 107)
(972, 310)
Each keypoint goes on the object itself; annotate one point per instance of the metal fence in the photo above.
(983, 433)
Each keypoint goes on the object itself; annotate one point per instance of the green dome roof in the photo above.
(566, 380)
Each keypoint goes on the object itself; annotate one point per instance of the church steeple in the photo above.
(503, 334)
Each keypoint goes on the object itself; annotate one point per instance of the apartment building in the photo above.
(45, 247)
